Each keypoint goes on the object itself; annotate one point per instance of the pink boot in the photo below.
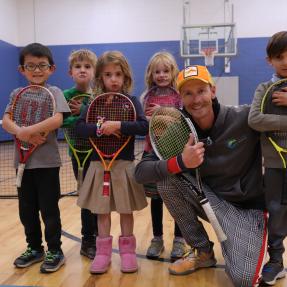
(103, 256)
(127, 246)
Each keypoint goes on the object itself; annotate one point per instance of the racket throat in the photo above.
(106, 183)
(203, 201)
(79, 178)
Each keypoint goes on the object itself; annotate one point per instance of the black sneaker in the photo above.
(271, 272)
(53, 261)
(88, 249)
(28, 258)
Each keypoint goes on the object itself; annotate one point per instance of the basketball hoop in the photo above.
(208, 54)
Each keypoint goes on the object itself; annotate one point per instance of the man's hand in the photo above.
(193, 154)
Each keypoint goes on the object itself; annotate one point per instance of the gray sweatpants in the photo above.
(246, 229)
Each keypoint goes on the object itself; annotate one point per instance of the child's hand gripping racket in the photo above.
(80, 147)
(169, 132)
(109, 107)
(271, 105)
(33, 104)
(160, 96)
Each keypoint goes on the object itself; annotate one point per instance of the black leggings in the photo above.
(89, 229)
(157, 215)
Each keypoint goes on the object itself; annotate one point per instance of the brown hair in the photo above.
(167, 60)
(116, 58)
(277, 44)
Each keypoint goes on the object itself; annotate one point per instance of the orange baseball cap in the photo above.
(194, 73)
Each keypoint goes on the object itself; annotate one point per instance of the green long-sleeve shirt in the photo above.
(69, 94)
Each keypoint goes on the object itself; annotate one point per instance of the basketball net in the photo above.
(208, 54)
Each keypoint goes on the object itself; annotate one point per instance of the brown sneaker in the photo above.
(179, 249)
(191, 262)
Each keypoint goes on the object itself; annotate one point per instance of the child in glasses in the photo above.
(40, 188)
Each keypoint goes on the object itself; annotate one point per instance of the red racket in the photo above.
(109, 107)
(161, 96)
(30, 106)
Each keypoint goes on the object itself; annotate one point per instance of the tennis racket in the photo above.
(109, 107)
(33, 104)
(162, 96)
(80, 147)
(277, 138)
(156, 97)
(169, 132)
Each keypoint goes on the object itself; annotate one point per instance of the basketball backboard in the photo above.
(208, 41)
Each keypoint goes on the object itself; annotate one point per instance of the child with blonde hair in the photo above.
(113, 75)
(82, 66)
(160, 81)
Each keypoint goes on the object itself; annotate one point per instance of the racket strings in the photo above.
(30, 107)
(165, 96)
(169, 132)
(280, 138)
(110, 107)
(81, 145)
(78, 143)
(269, 107)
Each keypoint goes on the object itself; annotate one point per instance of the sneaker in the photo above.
(28, 258)
(191, 262)
(179, 249)
(88, 249)
(53, 261)
(155, 249)
(271, 272)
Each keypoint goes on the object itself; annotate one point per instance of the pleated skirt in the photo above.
(126, 195)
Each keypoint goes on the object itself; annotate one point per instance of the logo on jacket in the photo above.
(233, 143)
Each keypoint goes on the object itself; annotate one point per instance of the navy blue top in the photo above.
(138, 127)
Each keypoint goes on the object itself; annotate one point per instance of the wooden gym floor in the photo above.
(75, 272)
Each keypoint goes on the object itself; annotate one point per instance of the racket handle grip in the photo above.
(214, 222)
(20, 172)
(106, 183)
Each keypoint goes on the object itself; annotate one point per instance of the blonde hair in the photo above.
(82, 55)
(116, 58)
(165, 58)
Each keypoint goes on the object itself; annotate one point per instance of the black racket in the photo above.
(277, 138)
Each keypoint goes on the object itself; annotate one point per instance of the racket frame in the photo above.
(198, 191)
(278, 148)
(149, 93)
(24, 153)
(112, 157)
(75, 151)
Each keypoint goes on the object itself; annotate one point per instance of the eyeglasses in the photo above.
(32, 67)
